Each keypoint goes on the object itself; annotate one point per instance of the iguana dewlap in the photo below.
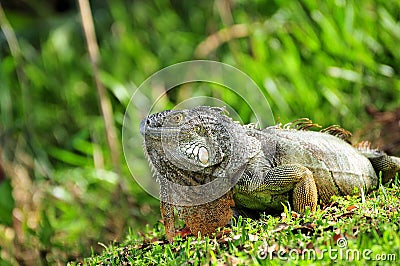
(276, 165)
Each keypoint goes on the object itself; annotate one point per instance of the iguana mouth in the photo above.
(157, 132)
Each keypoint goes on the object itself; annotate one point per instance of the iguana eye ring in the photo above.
(177, 118)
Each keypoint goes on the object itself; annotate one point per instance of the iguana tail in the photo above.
(387, 165)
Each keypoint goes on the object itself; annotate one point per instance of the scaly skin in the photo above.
(266, 168)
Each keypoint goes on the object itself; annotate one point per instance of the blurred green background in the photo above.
(60, 194)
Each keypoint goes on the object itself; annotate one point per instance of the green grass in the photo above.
(346, 230)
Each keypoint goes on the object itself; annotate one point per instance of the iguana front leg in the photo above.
(167, 213)
(278, 181)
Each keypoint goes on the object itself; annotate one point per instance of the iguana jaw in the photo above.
(157, 132)
(152, 126)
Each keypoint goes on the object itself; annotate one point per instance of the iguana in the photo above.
(266, 168)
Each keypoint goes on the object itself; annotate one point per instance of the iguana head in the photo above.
(191, 139)
(199, 153)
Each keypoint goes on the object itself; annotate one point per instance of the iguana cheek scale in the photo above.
(203, 155)
(268, 167)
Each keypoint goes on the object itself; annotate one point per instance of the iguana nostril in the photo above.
(145, 122)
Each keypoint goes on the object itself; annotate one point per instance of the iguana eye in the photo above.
(177, 118)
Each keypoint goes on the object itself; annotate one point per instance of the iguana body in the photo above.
(267, 167)
(305, 165)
